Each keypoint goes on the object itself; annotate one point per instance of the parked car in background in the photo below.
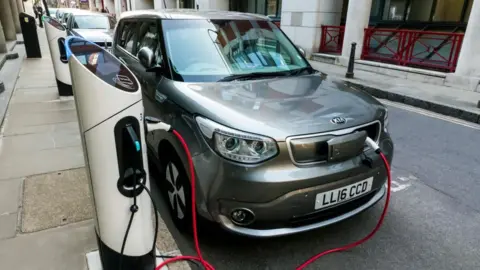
(93, 26)
(53, 12)
(61, 14)
(278, 147)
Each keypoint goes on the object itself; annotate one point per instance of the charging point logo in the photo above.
(124, 81)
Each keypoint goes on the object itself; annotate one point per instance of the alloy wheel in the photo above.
(176, 192)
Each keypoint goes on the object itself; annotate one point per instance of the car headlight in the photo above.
(237, 145)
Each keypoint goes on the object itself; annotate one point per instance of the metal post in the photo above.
(40, 20)
(351, 61)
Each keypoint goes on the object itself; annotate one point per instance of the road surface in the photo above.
(433, 221)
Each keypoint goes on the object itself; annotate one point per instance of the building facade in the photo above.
(427, 34)
(9, 22)
(437, 35)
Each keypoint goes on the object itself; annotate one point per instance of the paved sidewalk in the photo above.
(445, 100)
(45, 203)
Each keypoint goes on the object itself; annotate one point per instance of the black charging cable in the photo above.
(155, 210)
(133, 210)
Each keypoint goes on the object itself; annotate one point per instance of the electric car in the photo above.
(278, 147)
(92, 26)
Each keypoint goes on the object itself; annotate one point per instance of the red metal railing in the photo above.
(332, 39)
(424, 49)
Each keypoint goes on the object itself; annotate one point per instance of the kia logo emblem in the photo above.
(338, 120)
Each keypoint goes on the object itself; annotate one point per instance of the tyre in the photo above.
(175, 189)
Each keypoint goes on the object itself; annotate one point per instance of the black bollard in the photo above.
(351, 61)
(40, 20)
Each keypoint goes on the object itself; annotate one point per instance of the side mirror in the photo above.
(146, 57)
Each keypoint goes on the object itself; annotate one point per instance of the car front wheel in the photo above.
(175, 189)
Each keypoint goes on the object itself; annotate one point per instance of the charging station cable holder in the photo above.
(110, 114)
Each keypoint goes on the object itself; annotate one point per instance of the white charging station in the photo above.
(110, 112)
(56, 34)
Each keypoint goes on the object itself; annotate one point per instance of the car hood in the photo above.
(280, 107)
(95, 35)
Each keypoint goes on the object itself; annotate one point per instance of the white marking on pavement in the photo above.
(402, 182)
(431, 114)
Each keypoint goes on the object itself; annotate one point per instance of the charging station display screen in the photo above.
(104, 65)
(54, 23)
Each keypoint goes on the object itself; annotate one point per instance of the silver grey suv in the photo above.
(278, 147)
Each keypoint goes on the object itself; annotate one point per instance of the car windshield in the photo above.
(92, 22)
(212, 50)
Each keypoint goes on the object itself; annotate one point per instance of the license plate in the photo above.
(346, 193)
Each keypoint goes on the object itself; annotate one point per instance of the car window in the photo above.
(228, 47)
(148, 37)
(91, 22)
(128, 36)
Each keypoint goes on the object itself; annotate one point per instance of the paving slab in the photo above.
(56, 249)
(10, 196)
(40, 81)
(39, 141)
(55, 199)
(32, 163)
(58, 127)
(8, 226)
(43, 118)
(54, 105)
(37, 94)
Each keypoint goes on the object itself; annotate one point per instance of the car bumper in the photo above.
(281, 195)
(226, 223)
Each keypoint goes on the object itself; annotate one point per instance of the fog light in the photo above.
(242, 216)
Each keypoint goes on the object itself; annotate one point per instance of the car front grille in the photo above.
(312, 149)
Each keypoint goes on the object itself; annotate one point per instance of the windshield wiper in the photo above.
(299, 71)
(252, 75)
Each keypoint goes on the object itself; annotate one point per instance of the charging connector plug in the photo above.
(153, 123)
(372, 144)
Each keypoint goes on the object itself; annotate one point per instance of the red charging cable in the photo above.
(366, 238)
(199, 257)
(208, 266)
